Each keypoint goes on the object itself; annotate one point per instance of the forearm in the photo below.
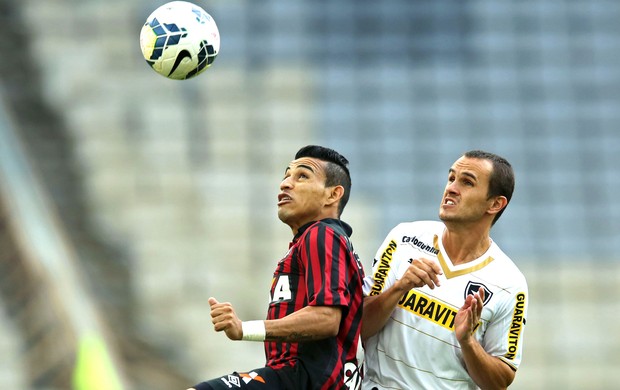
(377, 310)
(410, 274)
(309, 323)
(489, 372)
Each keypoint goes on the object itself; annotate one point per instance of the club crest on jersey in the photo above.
(473, 287)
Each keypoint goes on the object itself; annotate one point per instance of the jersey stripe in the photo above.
(322, 270)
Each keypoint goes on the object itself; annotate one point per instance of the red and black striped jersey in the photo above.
(320, 269)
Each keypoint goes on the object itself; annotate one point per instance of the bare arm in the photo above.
(489, 372)
(309, 323)
(378, 308)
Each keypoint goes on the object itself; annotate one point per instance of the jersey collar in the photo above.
(451, 271)
(345, 226)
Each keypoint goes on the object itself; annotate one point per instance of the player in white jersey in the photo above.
(445, 308)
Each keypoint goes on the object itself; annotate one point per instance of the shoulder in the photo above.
(505, 269)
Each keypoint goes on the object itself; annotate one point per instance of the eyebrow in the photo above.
(468, 174)
(308, 167)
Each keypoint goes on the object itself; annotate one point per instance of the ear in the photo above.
(334, 195)
(497, 204)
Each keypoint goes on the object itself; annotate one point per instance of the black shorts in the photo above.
(264, 378)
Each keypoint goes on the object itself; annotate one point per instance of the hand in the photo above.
(468, 316)
(225, 319)
(418, 273)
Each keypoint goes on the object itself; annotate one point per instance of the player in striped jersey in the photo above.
(445, 308)
(312, 331)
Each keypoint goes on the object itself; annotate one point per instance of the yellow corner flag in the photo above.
(94, 369)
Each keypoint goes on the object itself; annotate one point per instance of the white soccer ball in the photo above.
(179, 40)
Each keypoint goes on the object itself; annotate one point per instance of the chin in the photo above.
(284, 216)
(447, 218)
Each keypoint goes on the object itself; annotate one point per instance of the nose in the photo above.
(285, 183)
(451, 188)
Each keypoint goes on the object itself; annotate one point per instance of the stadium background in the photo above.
(127, 199)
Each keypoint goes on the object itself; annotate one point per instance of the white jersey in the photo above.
(417, 348)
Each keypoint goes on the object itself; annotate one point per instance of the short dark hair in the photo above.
(336, 170)
(502, 180)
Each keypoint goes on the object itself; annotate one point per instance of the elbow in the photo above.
(331, 322)
(333, 332)
(333, 328)
(366, 332)
(508, 380)
(504, 379)
(508, 377)
(496, 386)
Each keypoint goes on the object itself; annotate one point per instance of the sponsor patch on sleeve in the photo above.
(384, 268)
(516, 326)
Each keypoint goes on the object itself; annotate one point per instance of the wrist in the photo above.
(400, 287)
(253, 330)
(467, 342)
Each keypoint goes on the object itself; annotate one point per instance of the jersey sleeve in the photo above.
(504, 335)
(326, 254)
(385, 267)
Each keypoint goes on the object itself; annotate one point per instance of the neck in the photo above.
(296, 225)
(466, 244)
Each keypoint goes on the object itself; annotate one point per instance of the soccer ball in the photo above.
(179, 40)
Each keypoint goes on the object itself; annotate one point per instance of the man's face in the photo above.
(465, 197)
(302, 192)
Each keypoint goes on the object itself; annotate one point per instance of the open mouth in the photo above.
(283, 198)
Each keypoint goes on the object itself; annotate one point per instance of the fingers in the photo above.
(469, 315)
(424, 272)
(474, 303)
(222, 314)
(436, 268)
(479, 302)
